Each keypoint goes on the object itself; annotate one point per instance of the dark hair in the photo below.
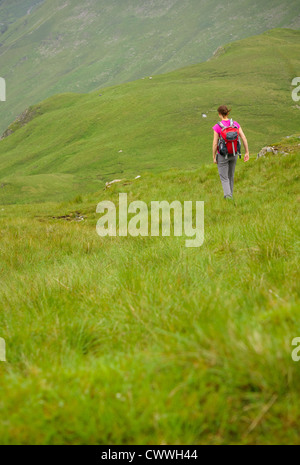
(223, 110)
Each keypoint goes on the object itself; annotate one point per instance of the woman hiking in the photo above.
(226, 148)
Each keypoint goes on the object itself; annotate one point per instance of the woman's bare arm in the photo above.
(245, 142)
(215, 146)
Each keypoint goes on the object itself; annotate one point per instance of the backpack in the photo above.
(229, 142)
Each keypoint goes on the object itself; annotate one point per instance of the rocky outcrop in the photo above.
(21, 121)
(109, 184)
(266, 150)
(284, 148)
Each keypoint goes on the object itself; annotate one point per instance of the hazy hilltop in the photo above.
(75, 142)
(78, 46)
(11, 10)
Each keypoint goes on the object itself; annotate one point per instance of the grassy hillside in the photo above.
(78, 142)
(77, 46)
(143, 341)
(12, 10)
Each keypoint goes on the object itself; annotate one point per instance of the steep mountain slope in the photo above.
(77, 142)
(78, 46)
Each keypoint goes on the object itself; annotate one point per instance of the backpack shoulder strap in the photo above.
(221, 125)
(232, 124)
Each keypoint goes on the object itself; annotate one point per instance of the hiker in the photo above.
(227, 147)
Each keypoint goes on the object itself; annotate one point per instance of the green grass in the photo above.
(74, 141)
(81, 46)
(143, 341)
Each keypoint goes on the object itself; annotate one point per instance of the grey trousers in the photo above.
(226, 170)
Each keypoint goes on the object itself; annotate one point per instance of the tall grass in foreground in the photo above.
(143, 341)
